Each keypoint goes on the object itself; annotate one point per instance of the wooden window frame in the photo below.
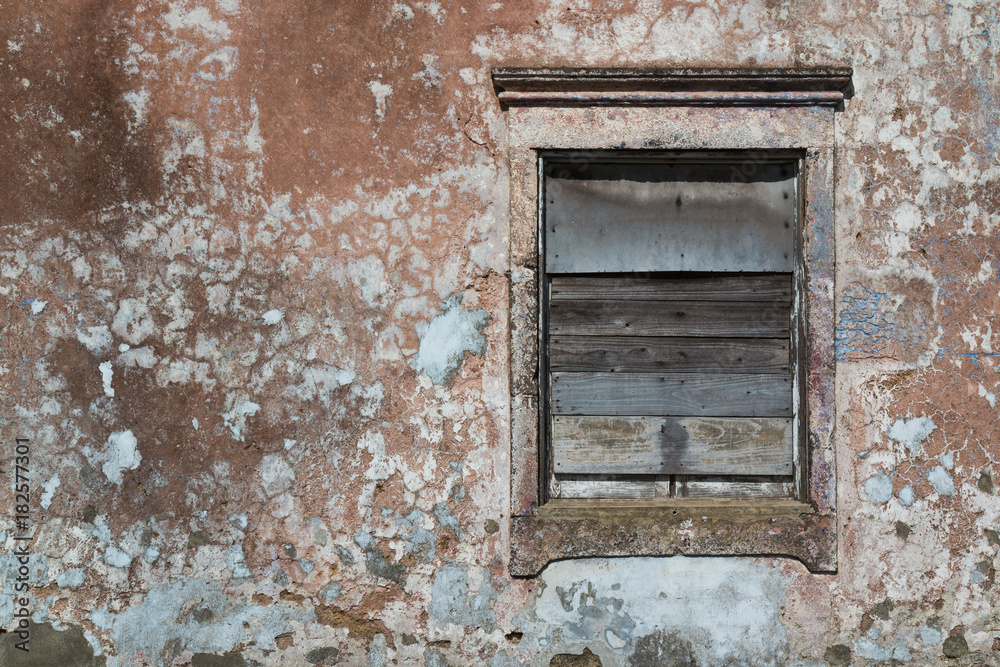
(728, 160)
(761, 112)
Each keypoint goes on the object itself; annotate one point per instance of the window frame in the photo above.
(753, 111)
(735, 159)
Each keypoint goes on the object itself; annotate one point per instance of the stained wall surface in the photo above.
(253, 272)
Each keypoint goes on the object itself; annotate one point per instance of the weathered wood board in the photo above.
(729, 487)
(740, 288)
(669, 318)
(672, 394)
(630, 354)
(687, 445)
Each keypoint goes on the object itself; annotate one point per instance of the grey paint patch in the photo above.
(420, 543)
(376, 563)
(907, 496)
(73, 578)
(878, 488)
(446, 338)
(728, 609)
(328, 655)
(331, 592)
(161, 620)
(941, 481)
(662, 648)
(912, 432)
(377, 652)
(48, 647)
(867, 648)
(211, 660)
(451, 602)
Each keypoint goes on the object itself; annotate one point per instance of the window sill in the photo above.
(615, 528)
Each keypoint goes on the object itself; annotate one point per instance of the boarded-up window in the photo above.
(670, 322)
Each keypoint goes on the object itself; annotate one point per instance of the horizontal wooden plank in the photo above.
(608, 486)
(721, 487)
(669, 318)
(672, 394)
(661, 446)
(666, 217)
(775, 287)
(629, 354)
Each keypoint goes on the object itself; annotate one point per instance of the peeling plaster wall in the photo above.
(253, 275)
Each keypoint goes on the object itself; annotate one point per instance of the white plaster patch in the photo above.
(152, 554)
(911, 432)
(218, 65)
(947, 460)
(137, 101)
(133, 321)
(930, 636)
(399, 11)
(162, 618)
(106, 373)
(95, 339)
(907, 496)
(941, 481)
(199, 19)
(38, 306)
(276, 475)
(878, 488)
(907, 217)
(121, 455)
(382, 93)
(320, 382)
(236, 561)
(115, 557)
(468, 75)
(73, 578)
(726, 610)
(236, 418)
(430, 74)
(273, 316)
(990, 397)
(446, 338)
(142, 357)
(369, 275)
(49, 491)
(866, 648)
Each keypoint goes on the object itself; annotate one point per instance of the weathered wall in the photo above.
(253, 275)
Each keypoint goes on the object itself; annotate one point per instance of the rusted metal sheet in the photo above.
(662, 216)
(687, 445)
(672, 394)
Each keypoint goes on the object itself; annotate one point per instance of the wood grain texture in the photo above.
(672, 394)
(630, 354)
(669, 318)
(773, 287)
(721, 487)
(608, 486)
(663, 446)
